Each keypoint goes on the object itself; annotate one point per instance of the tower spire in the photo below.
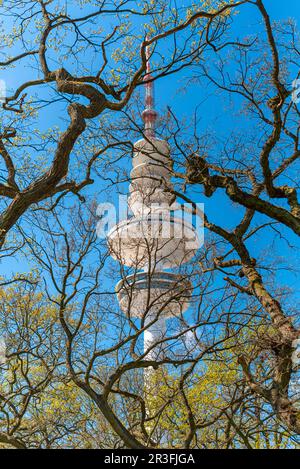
(149, 114)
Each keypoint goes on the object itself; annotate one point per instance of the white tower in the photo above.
(156, 238)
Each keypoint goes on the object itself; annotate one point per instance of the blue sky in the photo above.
(213, 115)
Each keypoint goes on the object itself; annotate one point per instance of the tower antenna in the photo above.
(149, 114)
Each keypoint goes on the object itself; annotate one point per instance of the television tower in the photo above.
(155, 239)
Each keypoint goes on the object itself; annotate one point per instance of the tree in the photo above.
(253, 186)
(82, 68)
(40, 406)
(105, 86)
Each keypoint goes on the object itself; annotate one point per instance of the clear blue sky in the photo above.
(212, 111)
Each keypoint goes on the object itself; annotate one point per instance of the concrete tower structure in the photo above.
(157, 238)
